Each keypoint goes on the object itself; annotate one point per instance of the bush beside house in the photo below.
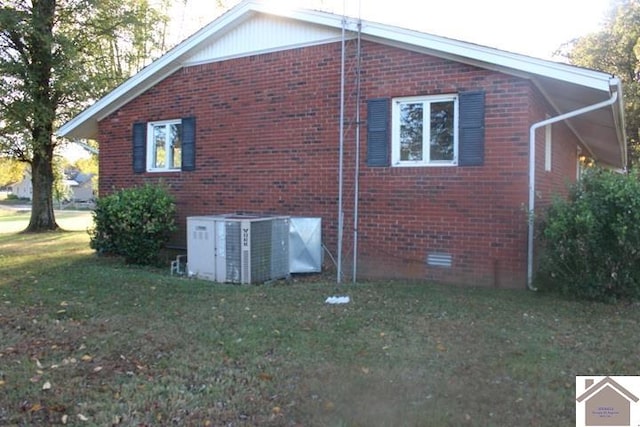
(592, 239)
(134, 223)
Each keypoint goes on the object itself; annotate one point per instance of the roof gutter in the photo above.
(613, 83)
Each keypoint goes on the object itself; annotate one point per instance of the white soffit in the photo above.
(255, 27)
(485, 57)
(263, 33)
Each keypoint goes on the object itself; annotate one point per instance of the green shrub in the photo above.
(134, 223)
(591, 241)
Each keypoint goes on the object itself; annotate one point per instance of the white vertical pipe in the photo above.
(341, 157)
(532, 169)
(357, 167)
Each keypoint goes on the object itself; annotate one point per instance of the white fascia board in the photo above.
(489, 57)
(620, 121)
(150, 75)
(454, 49)
(304, 15)
(171, 62)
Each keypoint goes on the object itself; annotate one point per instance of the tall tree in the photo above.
(55, 57)
(615, 49)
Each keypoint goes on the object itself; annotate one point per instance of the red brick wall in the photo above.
(267, 142)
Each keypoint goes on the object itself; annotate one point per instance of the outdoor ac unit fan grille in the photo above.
(257, 250)
(237, 248)
(234, 259)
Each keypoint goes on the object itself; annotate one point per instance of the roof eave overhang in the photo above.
(586, 86)
(85, 125)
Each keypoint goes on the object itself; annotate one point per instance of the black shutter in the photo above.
(471, 129)
(139, 147)
(378, 132)
(188, 143)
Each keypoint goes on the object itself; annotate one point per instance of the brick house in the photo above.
(245, 116)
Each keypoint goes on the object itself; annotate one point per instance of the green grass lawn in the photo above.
(90, 341)
(14, 221)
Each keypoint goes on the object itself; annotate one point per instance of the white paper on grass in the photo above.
(337, 300)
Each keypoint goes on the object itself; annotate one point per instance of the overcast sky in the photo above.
(535, 28)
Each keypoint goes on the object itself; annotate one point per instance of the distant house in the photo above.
(80, 186)
(447, 147)
(23, 188)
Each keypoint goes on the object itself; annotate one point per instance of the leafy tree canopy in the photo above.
(56, 56)
(615, 49)
(11, 171)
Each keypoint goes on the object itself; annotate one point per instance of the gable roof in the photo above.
(255, 26)
(591, 390)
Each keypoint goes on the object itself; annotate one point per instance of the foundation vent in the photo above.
(439, 259)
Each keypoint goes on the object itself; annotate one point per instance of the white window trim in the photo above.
(150, 146)
(395, 129)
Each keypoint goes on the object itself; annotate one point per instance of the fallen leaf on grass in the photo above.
(97, 369)
(65, 419)
(265, 377)
(35, 407)
(441, 347)
(82, 417)
(2, 382)
(46, 386)
(328, 406)
(86, 358)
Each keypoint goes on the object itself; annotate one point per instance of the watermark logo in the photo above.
(607, 401)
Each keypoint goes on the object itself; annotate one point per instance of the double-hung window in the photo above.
(164, 145)
(425, 131)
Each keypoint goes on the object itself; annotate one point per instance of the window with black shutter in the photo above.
(471, 124)
(164, 146)
(189, 143)
(139, 147)
(378, 132)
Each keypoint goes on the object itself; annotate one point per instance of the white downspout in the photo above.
(532, 167)
(357, 162)
(341, 155)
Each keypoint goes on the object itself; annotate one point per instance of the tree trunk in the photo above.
(40, 69)
(42, 216)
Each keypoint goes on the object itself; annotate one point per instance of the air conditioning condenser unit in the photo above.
(238, 248)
